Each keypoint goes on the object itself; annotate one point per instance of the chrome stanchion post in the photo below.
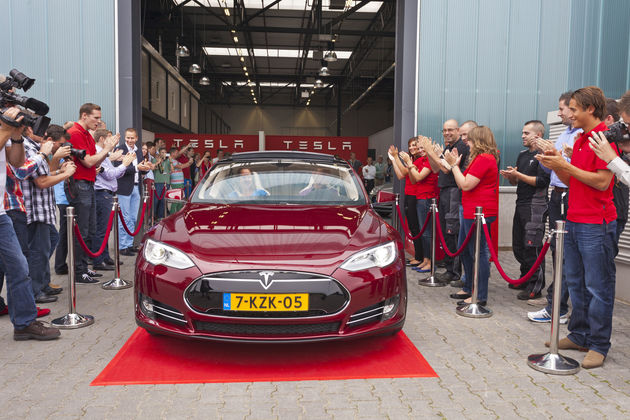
(395, 220)
(72, 319)
(473, 309)
(116, 283)
(145, 205)
(152, 210)
(553, 362)
(430, 281)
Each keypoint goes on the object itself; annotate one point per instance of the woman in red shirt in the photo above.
(425, 178)
(402, 172)
(479, 184)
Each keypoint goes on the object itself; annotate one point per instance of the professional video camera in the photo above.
(617, 133)
(78, 153)
(8, 98)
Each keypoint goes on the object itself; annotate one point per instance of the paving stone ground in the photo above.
(481, 365)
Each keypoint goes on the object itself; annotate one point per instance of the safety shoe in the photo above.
(593, 359)
(566, 344)
(36, 331)
(543, 316)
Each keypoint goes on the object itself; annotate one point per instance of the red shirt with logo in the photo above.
(486, 193)
(82, 139)
(427, 188)
(588, 204)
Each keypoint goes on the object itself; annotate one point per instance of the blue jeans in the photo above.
(468, 259)
(104, 200)
(84, 210)
(129, 205)
(589, 264)
(158, 205)
(423, 207)
(21, 302)
(188, 187)
(18, 218)
(42, 240)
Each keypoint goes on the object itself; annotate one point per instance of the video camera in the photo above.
(18, 80)
(618, 133)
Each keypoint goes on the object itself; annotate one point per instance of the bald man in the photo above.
(451, 200)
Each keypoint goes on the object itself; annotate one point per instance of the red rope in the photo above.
(122, 220)
(403, 222)
(163, 193)
(77, 233)
(495, 259)
(443, 242)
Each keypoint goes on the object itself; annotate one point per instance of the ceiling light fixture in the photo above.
(324, 71)
(182, 51)
(319, 83)
(194, 68)
(226, 11)
(244, 68)
(242, 59)
(204, 81)
(235, 38)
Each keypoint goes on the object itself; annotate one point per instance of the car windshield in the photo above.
(281, 181)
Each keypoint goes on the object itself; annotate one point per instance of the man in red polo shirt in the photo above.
(80, 192)
(590, 243)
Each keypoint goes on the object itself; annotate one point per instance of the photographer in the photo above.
(204, 164)
(81, 192)
(22, 309)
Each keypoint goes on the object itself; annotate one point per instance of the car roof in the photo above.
(283, 154)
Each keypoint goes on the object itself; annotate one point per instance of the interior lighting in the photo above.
(182, 51)
(324, 70)
(235, 38)
(330, 56)
(226, 11)
(319, 83)
(244, 68)
(242, 59)
(194, 68)
(246, 74)
(204, 81)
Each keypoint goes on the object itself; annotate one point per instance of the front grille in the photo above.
(167, 313)
(325, 294)
(366, 315)
(253, 329)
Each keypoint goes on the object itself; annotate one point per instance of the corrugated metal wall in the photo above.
(503, 62)
(68, 46)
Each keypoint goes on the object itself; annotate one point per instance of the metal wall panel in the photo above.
(69, 51)
(158, 89)
(503, 62)
(194, 115)
(146, 81)
(185, 108)
(173, 97)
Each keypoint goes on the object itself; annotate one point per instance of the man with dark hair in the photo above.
(590, 241)
(528, 227)
(557, 209)
(620, 190)
(80, 192)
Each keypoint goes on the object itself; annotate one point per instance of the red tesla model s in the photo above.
(273, 246)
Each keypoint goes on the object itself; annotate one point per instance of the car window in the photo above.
(280, 182)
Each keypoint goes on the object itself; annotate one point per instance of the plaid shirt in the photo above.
(39, 202)
(13, 197)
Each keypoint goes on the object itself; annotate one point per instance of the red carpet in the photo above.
(147, 359)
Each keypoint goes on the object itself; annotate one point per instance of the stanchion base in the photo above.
(430, 282)
(473, 310)
(117, 284)
(72, 321)
(555, 364)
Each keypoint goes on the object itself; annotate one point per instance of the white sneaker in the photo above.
(543, 316)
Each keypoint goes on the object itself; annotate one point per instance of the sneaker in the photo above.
(93, 273)
(86, 279)
(543, 316)
(36, 331)
(42, 312)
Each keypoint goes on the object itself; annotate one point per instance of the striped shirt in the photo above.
(177, 175)
(39, 202)
(13, 197)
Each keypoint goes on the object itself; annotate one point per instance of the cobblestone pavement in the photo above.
(481, 365)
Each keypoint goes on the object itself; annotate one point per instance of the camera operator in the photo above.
(601, 146)
(81, 194)
(39, 202)
(22, 309)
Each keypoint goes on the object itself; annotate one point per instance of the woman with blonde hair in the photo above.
(479, 184)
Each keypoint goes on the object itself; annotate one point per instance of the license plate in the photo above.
(265, 302)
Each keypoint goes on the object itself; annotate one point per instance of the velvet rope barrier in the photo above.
(443, 242)
(162, 195)
(406, 228)
(122, 220)
(77, 233)
(495, 259)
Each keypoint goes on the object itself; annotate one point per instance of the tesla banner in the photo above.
(341, 146)
(211, 142)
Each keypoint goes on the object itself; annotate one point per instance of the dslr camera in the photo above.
(617, 133)
(16, 80)
(77, 153)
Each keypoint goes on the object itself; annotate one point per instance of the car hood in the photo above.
(241, 237)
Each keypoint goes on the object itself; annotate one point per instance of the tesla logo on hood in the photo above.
(266, 278)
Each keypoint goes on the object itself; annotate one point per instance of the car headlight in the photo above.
(379, 256)
(158, 253)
